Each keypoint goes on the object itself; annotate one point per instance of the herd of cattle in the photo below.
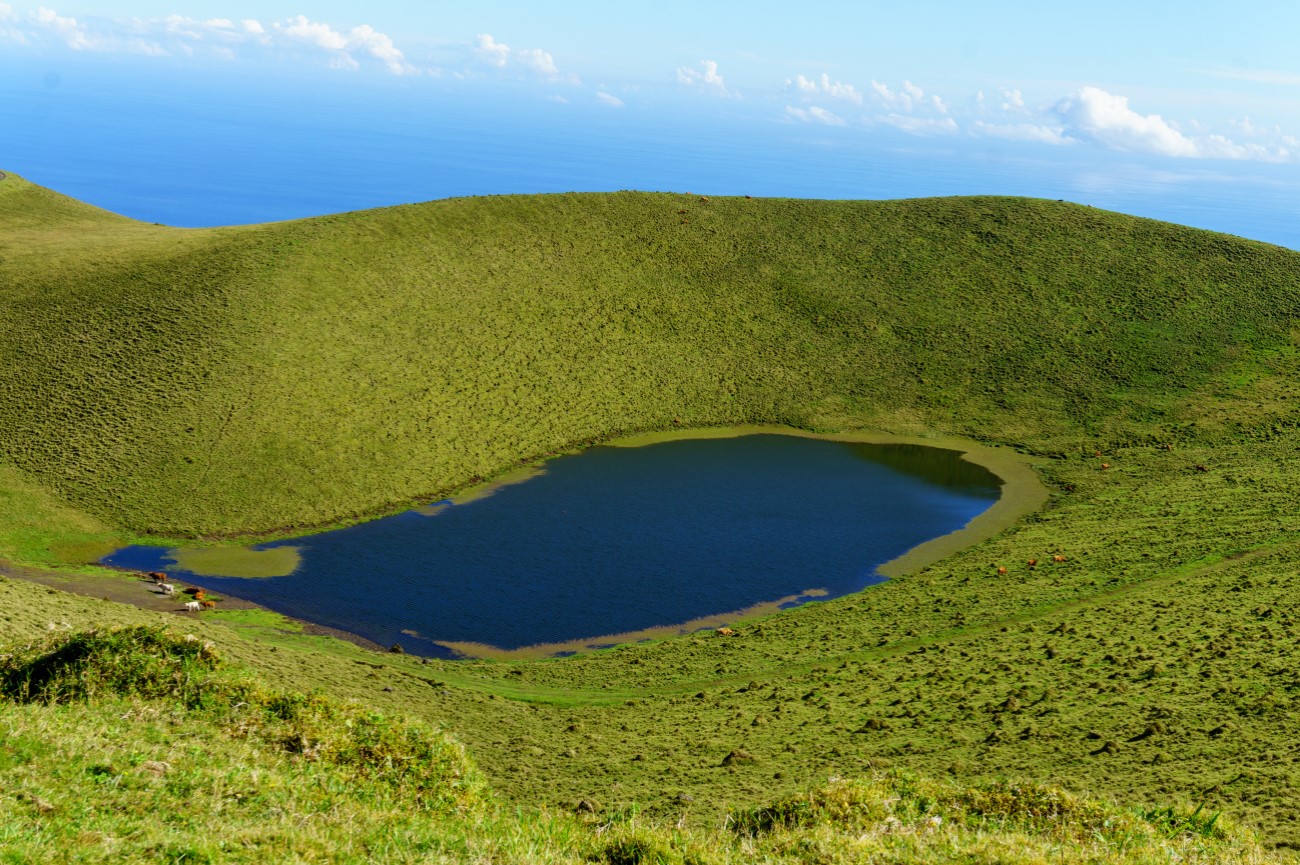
(165, 588)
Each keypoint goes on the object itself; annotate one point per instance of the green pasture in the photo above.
(258, 381)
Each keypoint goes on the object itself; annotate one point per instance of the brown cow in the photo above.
(1058, 559)
(1033, 563)
(1002, 571)
(208, 604)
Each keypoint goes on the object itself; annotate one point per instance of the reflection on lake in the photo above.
(610, 545)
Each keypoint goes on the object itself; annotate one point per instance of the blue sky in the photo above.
(1177, 89)
(1183, 80)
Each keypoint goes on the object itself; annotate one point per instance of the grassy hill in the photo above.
(249, 380)
(234, 381)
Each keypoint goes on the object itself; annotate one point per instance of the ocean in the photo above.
(219, 147)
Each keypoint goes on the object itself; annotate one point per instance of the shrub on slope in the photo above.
(420, 766)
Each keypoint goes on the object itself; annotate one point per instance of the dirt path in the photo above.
(124, 587)
(131, 587)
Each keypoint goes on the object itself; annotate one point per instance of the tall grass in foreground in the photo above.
(161, 754)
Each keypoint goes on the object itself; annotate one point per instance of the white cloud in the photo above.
(706, 78)
(13, 34)
(1012, 100)
(823, 86)
(539, 61)
(252, 27)
(608, 99)
(542, 63)
(67, 29)
(534, 61)
(921, 125)
(491, 51)
(314, 33)
(379, 46)
(340, 47)
(1092, 114)
(909, 109)
(1022, 132)
(903, 100)
(813, 114)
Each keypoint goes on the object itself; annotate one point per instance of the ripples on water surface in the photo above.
(622, 541)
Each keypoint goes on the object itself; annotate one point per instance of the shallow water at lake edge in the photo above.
(616, 544)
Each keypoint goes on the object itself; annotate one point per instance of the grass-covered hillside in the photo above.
(248, 380)
(140, 745)
(244, 380)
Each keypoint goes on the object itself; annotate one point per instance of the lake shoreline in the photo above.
(126, 586)
(1020, 493)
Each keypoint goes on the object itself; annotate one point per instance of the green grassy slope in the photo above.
(140, 745)
(304, 373)
(240, 380)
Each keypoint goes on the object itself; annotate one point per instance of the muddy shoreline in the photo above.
(124, 586)
(1022, 493)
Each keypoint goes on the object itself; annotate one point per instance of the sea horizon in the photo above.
(190, 153)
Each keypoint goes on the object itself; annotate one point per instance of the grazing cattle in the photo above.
(1002, 571)
(750, 197)
(193, 606)
(208, 605)
(726, 632)
(704, 198)
(1096, 453)
(1201, 468)
(158, 576)
(1166, 447)
(1058, 559)
(1105, 466)
(167, 588)
(198, 594)
(681, 211)
(1033, 563)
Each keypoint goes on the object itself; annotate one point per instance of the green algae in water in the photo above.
(243, 562)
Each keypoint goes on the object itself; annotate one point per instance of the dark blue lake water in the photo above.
(615, 544)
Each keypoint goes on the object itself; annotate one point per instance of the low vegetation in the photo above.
(247, 381)
(137, 745)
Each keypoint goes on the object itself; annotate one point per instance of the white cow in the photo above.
(193, 606)
(167, 588)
